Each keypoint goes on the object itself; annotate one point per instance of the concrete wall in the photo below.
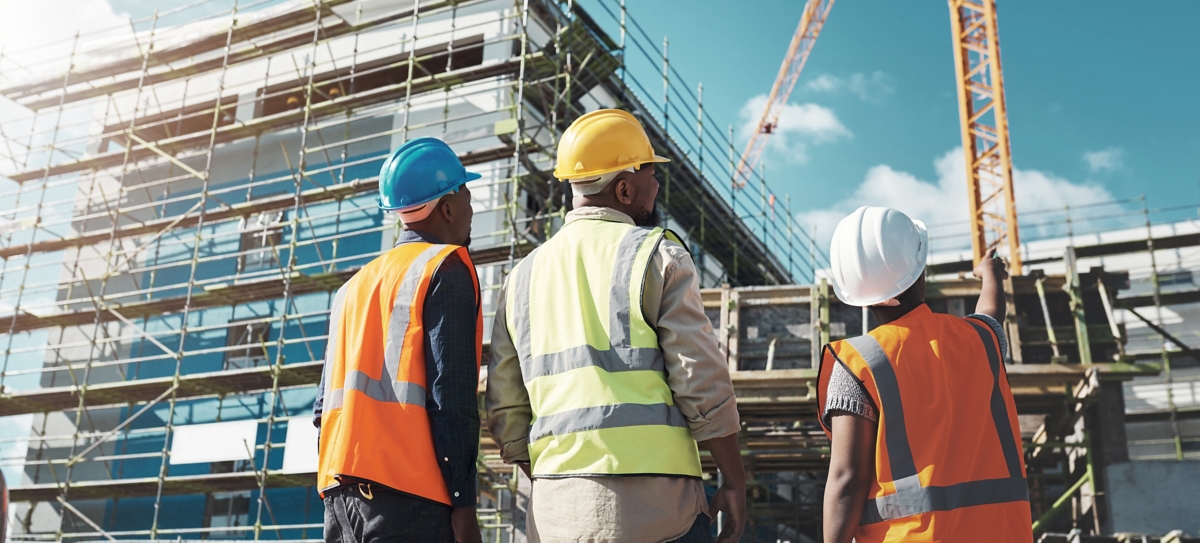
(1154, 497)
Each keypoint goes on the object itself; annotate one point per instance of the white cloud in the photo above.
(1105, 160)
(798, 126)
(36, 37)
(944, 200)
(825, 83)
(36, 40)
(869, 87)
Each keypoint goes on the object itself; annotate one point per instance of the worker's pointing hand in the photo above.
(991, 266)
(732, 502)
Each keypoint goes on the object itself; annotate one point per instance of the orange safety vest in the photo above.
(374, 425)
(948, 463)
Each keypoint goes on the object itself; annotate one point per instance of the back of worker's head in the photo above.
(633, 192)
(424, 183)
(877, 254)
(608, 159)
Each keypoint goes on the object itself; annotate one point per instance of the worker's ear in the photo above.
(445, 209)
(623, 189)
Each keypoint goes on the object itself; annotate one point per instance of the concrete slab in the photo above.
(1153, 497)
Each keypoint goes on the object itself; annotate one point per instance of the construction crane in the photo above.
(984, 119)
(815, 12)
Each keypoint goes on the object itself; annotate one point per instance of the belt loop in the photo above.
(366, 493)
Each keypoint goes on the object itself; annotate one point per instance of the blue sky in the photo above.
(1113, 80)
(1100, 97)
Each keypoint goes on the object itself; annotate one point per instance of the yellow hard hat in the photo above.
(603, 141)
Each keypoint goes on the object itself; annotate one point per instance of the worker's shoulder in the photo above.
(966, 325)
(945, 326)
(674, 239)
(395, 259)
(452, 272)
(673, 246)
(452, 261)
(981, 318)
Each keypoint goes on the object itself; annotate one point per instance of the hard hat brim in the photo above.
(563, 176)
(470, 176)
(848, 300)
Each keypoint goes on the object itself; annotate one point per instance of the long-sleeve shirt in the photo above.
(645, 508)
(451, 372)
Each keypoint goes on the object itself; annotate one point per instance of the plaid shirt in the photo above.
(451, 373)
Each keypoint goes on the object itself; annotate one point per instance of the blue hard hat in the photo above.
(420, 171)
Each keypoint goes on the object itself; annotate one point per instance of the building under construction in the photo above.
(180, 200)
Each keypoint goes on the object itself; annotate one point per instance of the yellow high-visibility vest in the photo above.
(591, 364)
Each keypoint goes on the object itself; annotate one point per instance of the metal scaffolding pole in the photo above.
(1168, 379)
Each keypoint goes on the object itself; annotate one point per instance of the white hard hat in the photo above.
(876, 255)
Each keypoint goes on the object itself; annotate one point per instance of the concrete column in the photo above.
(1106, 424)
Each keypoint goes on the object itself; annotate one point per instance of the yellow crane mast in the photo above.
(984, 118)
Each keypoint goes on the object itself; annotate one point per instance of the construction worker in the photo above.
(605, 371)
(397, 406)
(923, 427)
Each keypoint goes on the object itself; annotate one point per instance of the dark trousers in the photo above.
(701, 532)
(371, 513)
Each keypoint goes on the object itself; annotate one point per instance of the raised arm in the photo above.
(991, 298)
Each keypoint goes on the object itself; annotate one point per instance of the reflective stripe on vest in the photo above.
(387, 388)
(637, 372)
(910, 497)
(607, 416)
(621, 355)
(371, 425)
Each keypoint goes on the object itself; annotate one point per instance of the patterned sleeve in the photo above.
(995, 326)
(452, 375)
(847, 395)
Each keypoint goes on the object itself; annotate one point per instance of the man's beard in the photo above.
(650, 218)
(467, 243)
